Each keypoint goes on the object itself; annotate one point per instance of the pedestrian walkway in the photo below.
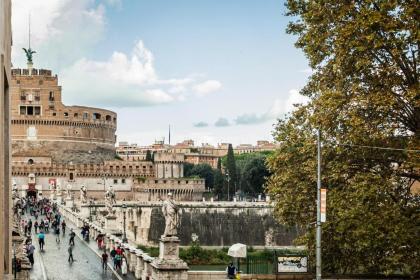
(94, 247)
(52, 264)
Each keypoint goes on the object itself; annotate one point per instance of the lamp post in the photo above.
(228, 180)
(124, 207)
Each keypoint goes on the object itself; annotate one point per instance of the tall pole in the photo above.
(318, 211)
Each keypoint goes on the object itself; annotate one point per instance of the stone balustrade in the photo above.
(138, 262)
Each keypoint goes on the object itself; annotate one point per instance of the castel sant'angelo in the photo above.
(55, 146)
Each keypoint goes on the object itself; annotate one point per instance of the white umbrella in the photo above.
(237, 250)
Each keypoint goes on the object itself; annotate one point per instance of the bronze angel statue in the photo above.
(29, 52)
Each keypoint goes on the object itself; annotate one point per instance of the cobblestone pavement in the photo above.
(52, 264)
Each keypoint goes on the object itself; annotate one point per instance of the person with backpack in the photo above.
(231, 271)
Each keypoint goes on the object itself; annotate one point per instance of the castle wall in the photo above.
(42, 125)
(215, 224)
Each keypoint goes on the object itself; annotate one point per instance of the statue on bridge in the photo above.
(83, 194)
(110, 200)
(171, 213)
(68, 191)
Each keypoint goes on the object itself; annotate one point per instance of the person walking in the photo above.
(30, 249)
(124, 267)
(70, 250)
(41, 240)
(63, 227)
(36, 225)
(57, 234)
(104, 260)
(72, 235)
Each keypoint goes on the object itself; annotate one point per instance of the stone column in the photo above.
(133, 260)
(139, 264)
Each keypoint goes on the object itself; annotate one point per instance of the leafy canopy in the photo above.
(364, 91)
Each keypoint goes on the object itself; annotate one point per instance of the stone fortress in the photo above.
(54, 145)
(44, 129)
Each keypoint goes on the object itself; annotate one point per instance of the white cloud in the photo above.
(60, 30)
(126, 81)
(207, 87)
(278, 109)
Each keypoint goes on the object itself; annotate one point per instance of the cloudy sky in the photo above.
(216, 71)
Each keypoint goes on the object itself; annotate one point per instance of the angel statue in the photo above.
(29, 52)
(110, 200)
(68, 191)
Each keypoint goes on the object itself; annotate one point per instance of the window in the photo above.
(85, 115)
(76, 115)
(66, 114)
(37, 96)
(51, 96)
(30, 161)
(30, 110)
(22, 96)
(37, 110)
(123, 181)
(115, 181)
(96, 116)
(108, 118)
(54, 114)
(71, 177)
(156, 181)
(22, 110)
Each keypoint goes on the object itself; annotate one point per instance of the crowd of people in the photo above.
(38, 217)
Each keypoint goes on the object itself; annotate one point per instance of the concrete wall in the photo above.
(5, 80)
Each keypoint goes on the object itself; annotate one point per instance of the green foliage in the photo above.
(364, 91)
(219, 164)
(201, 170)
(117, 157)
(219, 184)
(231, 168)
(152, 251)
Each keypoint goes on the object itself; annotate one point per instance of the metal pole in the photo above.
(318, 211)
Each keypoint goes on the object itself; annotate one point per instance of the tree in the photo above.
(231, 168)
(148, 155)
(201, 170)
(219, 184)
(219, 164)
(363, 92)
(253, 176)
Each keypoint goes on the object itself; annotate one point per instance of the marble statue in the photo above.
(83, 194)
(58, 189)
(110, 200)
(171, 212)
(68, 191)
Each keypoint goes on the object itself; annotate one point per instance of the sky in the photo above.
(216, 71)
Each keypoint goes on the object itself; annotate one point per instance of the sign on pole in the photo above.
(323, 205)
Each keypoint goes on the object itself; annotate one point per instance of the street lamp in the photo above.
(228, 180)
(124, 207)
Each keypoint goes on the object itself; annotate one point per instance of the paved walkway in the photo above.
(52, 264)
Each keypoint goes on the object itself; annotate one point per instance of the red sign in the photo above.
(323, 205)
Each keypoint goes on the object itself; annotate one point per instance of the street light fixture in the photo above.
(124, 207)
(228, 180)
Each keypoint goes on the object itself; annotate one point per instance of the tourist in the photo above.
(118, 259)
(29, 227)
(42, 226)
(72, 235)
(46, 225)
(231, 271)
(104, 260)
(57, 232)
(30, 249)
(124, 267)
(36, 226)
(70, 250)
(41, 240)
(113, 253)
(63, 227)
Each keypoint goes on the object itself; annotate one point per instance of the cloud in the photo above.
(207, 87)
(61, 31)
(201, 124)
(278, 109)
(126, 80)
(221, 122)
